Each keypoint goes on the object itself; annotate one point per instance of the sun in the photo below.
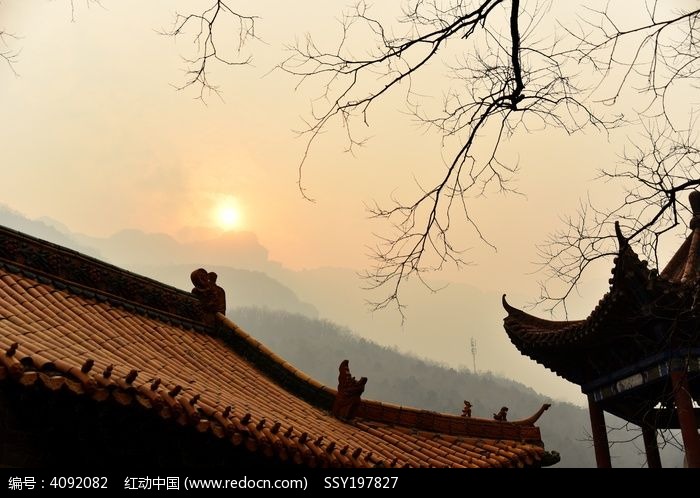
(228, 216)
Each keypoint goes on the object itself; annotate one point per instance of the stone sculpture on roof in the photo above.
(212, 297)
(349, 392)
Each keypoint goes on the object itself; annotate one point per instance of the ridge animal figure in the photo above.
(467, 410)
(212, 297)
(501, 416)
(347, 401)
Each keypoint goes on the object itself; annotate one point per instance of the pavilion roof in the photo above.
(645, 317)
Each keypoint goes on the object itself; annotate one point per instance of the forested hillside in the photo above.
(318, 347)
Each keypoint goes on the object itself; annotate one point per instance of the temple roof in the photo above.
(644, 317)
(72, 323)
(683, 266)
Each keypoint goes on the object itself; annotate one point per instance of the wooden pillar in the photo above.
(651, 447)
(600, 434)
(686, 418)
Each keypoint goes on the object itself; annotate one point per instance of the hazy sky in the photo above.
(95, 136)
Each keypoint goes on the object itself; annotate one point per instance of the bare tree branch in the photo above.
(219, 35)
(207, 31)
(87, 4)
(11, 55)
(661, 165)
(651, 57)
(507, 84)
(507, 76)
(8, 54)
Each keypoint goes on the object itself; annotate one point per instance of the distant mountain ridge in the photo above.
(318, 347)
(163, 258)
(43, 228)
(439, 325)
(274, 304)
(243, 287)
(135, 247)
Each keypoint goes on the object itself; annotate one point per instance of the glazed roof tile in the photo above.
(156, 352)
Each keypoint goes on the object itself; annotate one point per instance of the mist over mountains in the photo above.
(318, 346)
(439, 326)
(313, 318)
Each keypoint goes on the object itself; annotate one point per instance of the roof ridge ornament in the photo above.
(212, 298)
(690, 269)
(501, 416)
(694, 200)
(87, 366)
(13, 349)
(347, 401)
(622, 241)
(467, 410)
(107, 373)
(535, 417)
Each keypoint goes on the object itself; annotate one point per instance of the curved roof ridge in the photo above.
(629, 274)
(60, 341)
(62, 267)
(639, 302)
(322, 396)
(73, 323)
(524, 317)
(683, 266)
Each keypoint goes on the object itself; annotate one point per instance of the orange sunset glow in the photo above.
(228, 216)
(118, 146)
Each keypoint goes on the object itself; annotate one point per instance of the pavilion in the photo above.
(637, 355)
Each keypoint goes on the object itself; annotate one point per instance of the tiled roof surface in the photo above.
(654, 308)
(530, 333)
(194, 377)
(216, 378)
(683, 266)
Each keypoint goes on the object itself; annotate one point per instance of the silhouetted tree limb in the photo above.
(11, 55)
(208, 31)
(508, 83)
(627, 432)
(649, 56)
(218, 33)
(87, 4)
(8, 54)
(511, 77)
(654, 176)
(663, 162)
